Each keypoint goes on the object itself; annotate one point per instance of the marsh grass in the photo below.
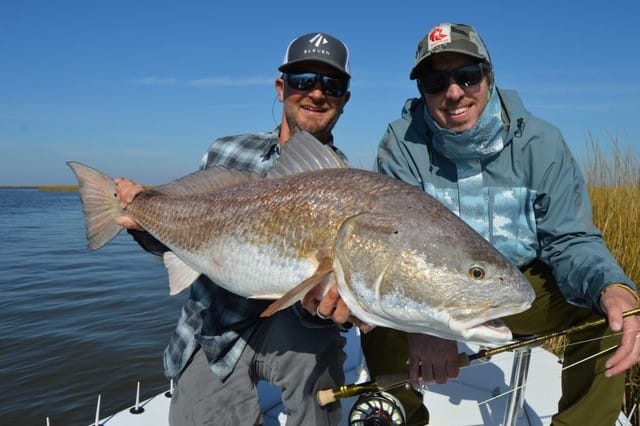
(59, 188)
(613, 180)
(55, 188)
(614, 186)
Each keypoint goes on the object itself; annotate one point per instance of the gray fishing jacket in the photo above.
(529, 199)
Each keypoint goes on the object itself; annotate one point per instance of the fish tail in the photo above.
(99, 204)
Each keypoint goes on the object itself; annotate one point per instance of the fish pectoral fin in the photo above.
(299, 291)
(181, 275)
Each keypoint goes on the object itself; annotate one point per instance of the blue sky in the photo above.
(140, 89)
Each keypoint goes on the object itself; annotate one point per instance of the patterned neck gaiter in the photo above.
(482, 140)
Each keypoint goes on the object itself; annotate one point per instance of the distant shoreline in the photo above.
(53, 188)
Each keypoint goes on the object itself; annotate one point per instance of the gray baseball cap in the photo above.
(320, 47)
(448, 37)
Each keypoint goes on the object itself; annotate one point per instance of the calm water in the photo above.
(75, 323)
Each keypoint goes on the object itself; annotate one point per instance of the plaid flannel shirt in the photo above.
(213, 318)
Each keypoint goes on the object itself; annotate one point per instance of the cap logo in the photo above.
(318, 39)
(439, 35)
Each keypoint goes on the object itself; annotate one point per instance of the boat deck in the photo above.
(477, 397)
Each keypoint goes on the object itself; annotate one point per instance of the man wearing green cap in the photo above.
(511, 177)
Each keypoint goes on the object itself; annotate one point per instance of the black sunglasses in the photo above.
(433, 82)
(331, 86)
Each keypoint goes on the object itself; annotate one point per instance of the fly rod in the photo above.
(389, 381)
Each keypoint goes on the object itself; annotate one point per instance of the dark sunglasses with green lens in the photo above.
(330, 86)
(433, 82)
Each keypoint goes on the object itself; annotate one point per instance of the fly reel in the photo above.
(377, 409)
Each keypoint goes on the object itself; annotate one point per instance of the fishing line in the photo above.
(616, 334)
(506, 393)
(602, 352)
(550, 375)
(566, 367)
(631, 413)
(562, 369)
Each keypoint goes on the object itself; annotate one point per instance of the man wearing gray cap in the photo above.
(221, 347)
(511, 177)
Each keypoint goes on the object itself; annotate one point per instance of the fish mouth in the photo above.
(478, 329)
(491, 331)
(494, 329)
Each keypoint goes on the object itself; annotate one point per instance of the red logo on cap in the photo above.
(437, 34)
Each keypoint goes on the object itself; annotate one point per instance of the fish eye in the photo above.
(476, 272)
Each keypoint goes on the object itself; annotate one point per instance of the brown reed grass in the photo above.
(613, 181)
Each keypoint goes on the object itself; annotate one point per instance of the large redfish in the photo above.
(400, 258)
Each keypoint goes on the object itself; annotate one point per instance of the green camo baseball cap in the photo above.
(448, 37)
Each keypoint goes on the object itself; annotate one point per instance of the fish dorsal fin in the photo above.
(181, 275)
(298, 292)
(211, 179)
(303, 153)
